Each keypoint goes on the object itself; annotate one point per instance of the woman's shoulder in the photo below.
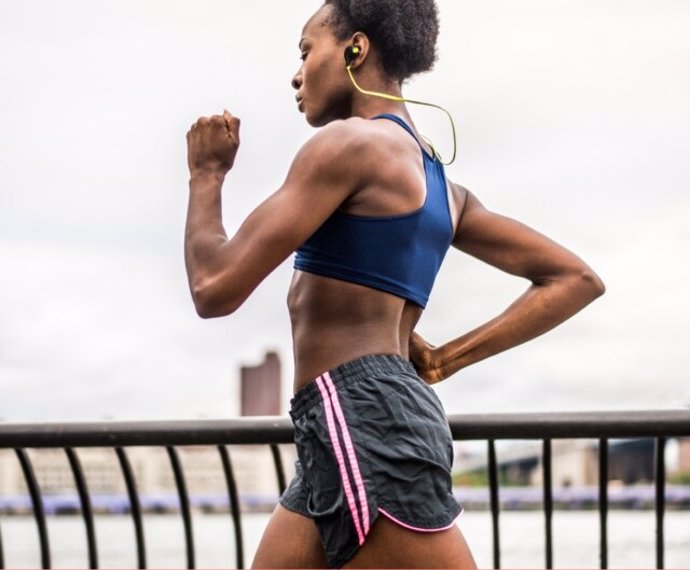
(349, 134)
(345, 142)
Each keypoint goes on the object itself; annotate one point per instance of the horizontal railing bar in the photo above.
(575, 425)
(158, 433)
(266, 430)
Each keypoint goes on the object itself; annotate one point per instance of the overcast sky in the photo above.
(573, 117)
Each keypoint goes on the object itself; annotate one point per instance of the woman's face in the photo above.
(323, 89)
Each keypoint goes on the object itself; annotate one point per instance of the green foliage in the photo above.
(476, 479)
(680, 478)
(481, 479)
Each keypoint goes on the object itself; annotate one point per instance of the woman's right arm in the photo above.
(222, 270)
(561, 285)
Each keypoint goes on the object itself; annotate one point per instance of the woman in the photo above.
(368, 209)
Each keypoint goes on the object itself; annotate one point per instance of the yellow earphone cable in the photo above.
(403, 100)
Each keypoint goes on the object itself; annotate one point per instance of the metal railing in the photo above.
(119, 436)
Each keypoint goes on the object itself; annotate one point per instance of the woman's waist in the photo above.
(363, 368)
(313, 359)
(317, 302)
(335, 322)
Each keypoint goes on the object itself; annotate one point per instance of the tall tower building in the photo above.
(260, 387)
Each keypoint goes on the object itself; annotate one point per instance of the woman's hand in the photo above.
(212, 144)
(422, 356)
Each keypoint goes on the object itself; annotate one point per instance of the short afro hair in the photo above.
(403, 31)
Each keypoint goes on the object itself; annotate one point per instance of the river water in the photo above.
(575, 536)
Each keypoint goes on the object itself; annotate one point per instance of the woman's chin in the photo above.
(315, 121)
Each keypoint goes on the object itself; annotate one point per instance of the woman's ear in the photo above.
(357, 50)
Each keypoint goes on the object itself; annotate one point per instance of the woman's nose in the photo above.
(297, 80)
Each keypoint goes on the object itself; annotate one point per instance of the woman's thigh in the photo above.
(290, 541)
(389, 545)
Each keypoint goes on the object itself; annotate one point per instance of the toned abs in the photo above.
(334, 322)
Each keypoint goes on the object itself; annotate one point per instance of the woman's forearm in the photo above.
(212, 144)
(204, 231)
(541, 308)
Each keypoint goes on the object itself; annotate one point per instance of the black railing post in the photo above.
(660, 497)
(2, 556)
(603, 502)
(280, 471)
(493, 496)
(134, 505)
(234, 504)
(548, 503)
(85, 501)
(37, 503)
(184, 504)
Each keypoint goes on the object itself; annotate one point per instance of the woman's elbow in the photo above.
(591, 283)
(211, 304)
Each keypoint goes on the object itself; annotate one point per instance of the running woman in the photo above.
(368, 209)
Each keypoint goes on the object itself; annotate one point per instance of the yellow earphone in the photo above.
(351, 53)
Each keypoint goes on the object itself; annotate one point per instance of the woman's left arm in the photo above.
(561, 285)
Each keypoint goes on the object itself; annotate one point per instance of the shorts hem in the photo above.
(294, 509)
(421, 526)
(344, 559)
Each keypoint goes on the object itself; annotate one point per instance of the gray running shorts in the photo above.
(372, 439)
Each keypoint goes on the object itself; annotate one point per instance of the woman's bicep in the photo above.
(279, 226)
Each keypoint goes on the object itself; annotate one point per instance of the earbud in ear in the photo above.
(351, 53)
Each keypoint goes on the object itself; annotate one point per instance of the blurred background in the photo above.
(573, 117)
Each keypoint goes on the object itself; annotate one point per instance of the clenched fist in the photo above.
(212, 144)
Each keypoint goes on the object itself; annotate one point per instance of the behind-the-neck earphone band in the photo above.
(351, 53)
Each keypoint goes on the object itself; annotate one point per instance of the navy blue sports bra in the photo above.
(398, 254)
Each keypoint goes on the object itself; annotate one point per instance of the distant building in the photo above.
(631, 461)
(684, 454)
(574, 463)
(260, 387)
